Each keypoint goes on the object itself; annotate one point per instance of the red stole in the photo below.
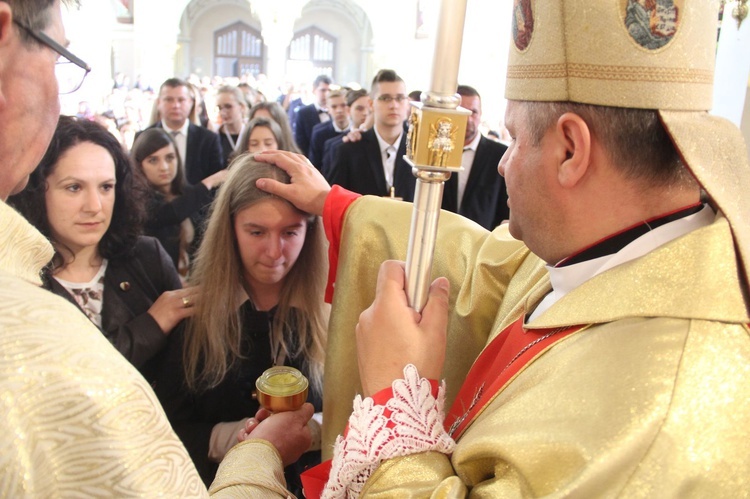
(496, 366)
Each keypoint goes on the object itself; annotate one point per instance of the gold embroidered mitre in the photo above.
(646, 54)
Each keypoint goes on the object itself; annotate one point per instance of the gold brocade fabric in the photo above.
(254, 462)
(653, 400)
(24, 251)
(584, 51)
(77, 419)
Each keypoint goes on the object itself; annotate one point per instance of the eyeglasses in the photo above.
(70, 72)
(387, 99)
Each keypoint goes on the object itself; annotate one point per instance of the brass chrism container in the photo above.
(281, 388)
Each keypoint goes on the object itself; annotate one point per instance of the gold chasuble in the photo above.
(650, 398)
(77, 419)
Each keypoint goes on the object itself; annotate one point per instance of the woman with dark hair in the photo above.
(171, 200)
(261, 268)
(84, 197)
(274, 111)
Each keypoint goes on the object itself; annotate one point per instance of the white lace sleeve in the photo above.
(416, 425)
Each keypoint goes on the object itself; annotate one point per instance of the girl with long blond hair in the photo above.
(261, 270)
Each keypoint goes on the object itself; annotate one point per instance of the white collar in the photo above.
(183, 129)
(474, 143)
(337, 129)
(566, 279)
(385, 145)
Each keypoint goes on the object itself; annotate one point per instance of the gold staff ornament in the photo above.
(434, 148)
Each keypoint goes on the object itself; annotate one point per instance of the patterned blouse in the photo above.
(89, 295)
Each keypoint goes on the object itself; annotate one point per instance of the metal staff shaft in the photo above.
(436, 131)
(428, 197)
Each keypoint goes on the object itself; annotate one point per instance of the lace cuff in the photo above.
(411, 422)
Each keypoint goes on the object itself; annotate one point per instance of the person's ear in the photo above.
(575, 138)
(7, 37)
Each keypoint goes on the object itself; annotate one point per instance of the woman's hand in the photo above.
(173, 306)
(216, 179)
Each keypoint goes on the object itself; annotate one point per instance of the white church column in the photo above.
(277, 28)
(155, 32)
(732, 64)
(91, 41)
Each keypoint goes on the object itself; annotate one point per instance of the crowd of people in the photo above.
(589, 325)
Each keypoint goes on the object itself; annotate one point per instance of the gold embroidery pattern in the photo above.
(537, 71)
(601, 72)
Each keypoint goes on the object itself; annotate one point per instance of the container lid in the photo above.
(281, 381)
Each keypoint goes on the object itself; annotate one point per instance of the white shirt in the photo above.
(180, 137)
(467, 159)
(566, 279)
(340, 130)
(388, 155)
(324, 116)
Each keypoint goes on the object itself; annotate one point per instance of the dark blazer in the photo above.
(305, 119)
(291, 111)
(329, 149)
(165, 218)
(204, 154)
(358, 166)
(131, 285)
(193, 413)
(226, 147)
(204, 158)
(485, 198)
(320, 134)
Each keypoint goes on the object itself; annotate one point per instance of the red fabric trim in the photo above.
(334, 209)
(503, 358)
(314, 480)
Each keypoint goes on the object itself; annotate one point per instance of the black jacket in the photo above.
(358, 166)
(306, 117)
(164, 218)
(320, 134)
(131, 285)
(485, 198)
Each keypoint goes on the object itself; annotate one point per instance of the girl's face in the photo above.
(261, 139)
(229, 109)
(270, 235)
(160, 168)
(80, 196)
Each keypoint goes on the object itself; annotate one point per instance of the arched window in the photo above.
(317, 47)
(238, 50)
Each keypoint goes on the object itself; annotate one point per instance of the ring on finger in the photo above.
(186, 302)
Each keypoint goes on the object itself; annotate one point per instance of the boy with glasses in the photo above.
(375, 164)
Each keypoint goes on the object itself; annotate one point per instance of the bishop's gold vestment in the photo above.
(77, 418)
(651, 400)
